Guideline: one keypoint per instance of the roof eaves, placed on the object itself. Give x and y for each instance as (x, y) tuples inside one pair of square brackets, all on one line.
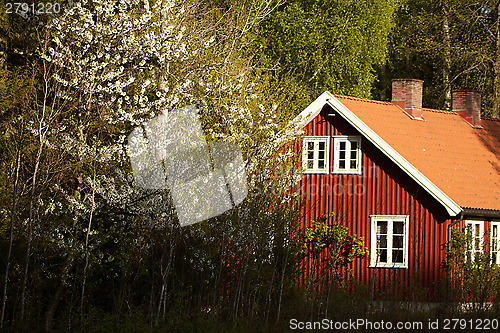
[(480, 212), (327, 98)]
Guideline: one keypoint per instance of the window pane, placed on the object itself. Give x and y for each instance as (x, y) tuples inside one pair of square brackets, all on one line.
[(353, 164), (469, 240), (321, 155), (397, 256), (342, 164), (382, 241), (382, 255), (354, 145), (397, 228), (353, 155), (321, 164), (397, 242), (342, 155), (389, 247), (342, 145), (310, 146), (474, 240), (321, 145), (310, 164), (310, 155), (477, 230), (495, 242), (382, 227)]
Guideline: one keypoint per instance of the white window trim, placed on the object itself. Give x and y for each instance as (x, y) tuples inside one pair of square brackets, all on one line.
[(481, 233), (497, 224), (346, 138), (373, 240), (316, 139)]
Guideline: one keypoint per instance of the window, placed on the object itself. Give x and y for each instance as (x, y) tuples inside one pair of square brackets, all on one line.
[(389, 241), (347, 155), (495, 242), (474, 232), (315, 154)]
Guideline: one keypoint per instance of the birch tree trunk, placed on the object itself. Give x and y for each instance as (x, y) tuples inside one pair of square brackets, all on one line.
[(496, 66), (11, 233), (446, 59), (30, 221), (42, 120), (49, 314), (3, 40)]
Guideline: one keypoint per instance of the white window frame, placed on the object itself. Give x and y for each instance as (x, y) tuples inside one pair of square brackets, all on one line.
[(497, 240), (316, 140), (336, 154), (374, 260), (472, 224)]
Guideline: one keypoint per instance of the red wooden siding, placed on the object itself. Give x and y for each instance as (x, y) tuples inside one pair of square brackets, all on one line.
[(381, 189)]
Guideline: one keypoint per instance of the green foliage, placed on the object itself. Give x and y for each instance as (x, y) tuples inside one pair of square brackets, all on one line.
[(461, 56), (327, 45), (331, 248), (344, 248), (474, 280)]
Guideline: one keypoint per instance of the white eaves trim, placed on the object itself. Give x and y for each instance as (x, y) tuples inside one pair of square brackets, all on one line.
[(315, 108)]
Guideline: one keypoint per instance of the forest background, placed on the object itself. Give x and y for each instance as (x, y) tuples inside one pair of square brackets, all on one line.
[(83, 248)]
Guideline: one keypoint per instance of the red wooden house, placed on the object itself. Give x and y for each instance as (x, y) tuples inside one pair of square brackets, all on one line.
[(401, 176)]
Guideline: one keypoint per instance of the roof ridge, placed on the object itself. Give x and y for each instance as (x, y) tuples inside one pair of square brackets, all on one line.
[(389, 103), (438, 111), (362, 99), (453, 112), (491, 119)]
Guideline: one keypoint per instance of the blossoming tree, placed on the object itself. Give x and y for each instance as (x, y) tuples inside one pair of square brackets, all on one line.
[(110, 66)]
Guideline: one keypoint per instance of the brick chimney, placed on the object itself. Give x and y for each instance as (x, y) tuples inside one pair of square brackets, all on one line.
[(467, 103), (407, 94)]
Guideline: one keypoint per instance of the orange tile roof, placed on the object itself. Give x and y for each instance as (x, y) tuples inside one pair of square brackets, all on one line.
[(462, 161)]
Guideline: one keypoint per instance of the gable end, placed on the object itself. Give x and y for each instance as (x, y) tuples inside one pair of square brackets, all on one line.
[(315, 108)]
